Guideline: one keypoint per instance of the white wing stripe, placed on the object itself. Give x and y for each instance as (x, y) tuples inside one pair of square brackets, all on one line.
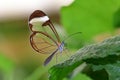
[(39, 19)]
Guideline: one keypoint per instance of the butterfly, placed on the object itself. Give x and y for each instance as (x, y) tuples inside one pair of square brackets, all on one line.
[(44, 38)]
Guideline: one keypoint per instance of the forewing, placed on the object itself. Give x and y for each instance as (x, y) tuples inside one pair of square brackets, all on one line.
[(42, 43), (45, 29), (39, 21)]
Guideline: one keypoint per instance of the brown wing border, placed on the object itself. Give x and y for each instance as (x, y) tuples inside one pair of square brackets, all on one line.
[(39, 13), (34, 45)]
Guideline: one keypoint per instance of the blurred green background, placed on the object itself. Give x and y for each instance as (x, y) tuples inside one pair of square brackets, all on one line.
[(96, 20)]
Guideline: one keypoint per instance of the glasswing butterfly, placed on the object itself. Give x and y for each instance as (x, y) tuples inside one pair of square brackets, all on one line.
[(44, 38)]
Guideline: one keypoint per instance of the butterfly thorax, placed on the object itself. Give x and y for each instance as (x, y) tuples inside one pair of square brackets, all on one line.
[(61, 46)]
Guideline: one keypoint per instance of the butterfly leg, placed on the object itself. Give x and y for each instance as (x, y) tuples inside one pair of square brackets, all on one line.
[(66, 51), (56, 58)]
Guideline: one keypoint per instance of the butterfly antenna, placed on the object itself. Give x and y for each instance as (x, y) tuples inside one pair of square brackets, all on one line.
[(71, 35)]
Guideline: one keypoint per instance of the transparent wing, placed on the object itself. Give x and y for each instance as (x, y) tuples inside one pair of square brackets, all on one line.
[(39, 21), (44, 38), (72, 41), (48, 29), (43, 43)]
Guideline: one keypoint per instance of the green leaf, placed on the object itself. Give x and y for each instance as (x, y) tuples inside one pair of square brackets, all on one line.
[(81, 77), (91, 17), (38, 73), (117, 18), (113, 71), (60, 71), (104, 53), (6, 65)]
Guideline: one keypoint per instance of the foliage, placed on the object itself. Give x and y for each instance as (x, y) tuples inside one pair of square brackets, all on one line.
[(90, 17), (104, 55), (6, 66)]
